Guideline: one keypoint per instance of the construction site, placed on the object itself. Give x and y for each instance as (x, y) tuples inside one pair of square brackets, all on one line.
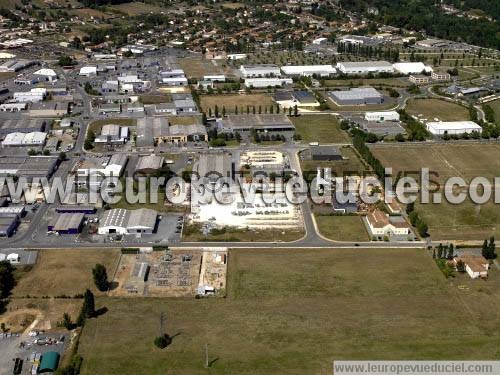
[(171, 273)]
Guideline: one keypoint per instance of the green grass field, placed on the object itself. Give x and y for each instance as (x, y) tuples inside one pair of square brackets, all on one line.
[(467, 220), (342, 228), (436, 108), (294, 311), (193, 232), (320, 128), (495, 105)]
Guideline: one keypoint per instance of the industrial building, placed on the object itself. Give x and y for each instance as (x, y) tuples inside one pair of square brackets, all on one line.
[(67, 223), (262, 122), (357, 96), (382, 116), (381, 128), (149, 164), (122, 221), (28, 166), (365, 67), (214, 166), (49, 109), (452, 127), (46, 74), (8, 225), (290, 99), (34, 95), (155, 130), (262, 70), (411, 68), (267, 82), (185, 104), (114, 134), (12, 66), (440, 76), (308, 70), (24, 139)]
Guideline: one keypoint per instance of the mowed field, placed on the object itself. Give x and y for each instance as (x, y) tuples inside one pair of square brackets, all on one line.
[(320, 128), (437, 108), (495, 105), (230, 101), (467, 221), (294, 311), (342, 228), (67, 272)]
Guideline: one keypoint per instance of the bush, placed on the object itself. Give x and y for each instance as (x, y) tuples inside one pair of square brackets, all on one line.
[(162, 341)]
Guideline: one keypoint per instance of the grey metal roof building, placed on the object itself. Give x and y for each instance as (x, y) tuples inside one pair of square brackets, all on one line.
[(22, 125), (357, 96), (149, 163), (31, 166), (67, 223), (8, 225), (214, 166), (263, 122), (122, 221)]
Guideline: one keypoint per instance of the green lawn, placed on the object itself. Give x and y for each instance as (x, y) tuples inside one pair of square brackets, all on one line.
[(437, 108), (320, 128), (342, 228), (291, 311)]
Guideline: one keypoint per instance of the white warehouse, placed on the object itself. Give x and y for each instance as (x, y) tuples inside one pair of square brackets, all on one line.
[(267, 82), (262, 70), (411, 68), (365, 67), (382, 116), (452, 127), (308, 70)]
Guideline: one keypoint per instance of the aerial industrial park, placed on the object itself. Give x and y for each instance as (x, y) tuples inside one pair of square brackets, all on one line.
[(241, 187)]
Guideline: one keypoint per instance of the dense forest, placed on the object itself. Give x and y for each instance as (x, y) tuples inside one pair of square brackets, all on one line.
[(424, 15)]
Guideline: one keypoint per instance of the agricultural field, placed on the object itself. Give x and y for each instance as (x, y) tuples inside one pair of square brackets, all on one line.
[(437, 108), (230, 101), (350, 165), (342, 228), (294, 311), (64, 272), (320, 128), (466, 221)]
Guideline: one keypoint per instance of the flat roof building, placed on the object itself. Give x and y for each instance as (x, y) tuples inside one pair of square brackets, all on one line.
[(411, 68), (267, 82), (453, 127), (365, 67), (357, 96), (67, 223), (262, 70), (262, 122), (214, 166), (308, 70), (122, 221)]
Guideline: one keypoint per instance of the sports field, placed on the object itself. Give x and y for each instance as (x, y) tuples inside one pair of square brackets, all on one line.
[(294, 311), (320, 128), (467, 221), (437, 108)]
